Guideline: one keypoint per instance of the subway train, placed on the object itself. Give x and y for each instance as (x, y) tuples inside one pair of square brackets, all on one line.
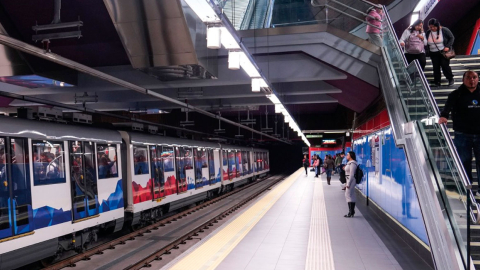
[(61, 184)]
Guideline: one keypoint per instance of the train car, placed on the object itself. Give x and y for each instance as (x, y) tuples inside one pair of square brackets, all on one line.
[(58, 185), (164, 174), (61, 184)]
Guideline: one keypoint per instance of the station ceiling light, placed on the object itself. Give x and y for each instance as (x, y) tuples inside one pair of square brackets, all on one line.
[(221, 33)]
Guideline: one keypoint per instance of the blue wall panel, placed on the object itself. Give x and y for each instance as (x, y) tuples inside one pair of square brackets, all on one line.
[(389, 182)]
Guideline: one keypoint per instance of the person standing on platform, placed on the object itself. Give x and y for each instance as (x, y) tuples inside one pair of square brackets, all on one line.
[(414, 41), (329, 166), (305, 163), (350, 170), (338, 162), (463, 103), (316, 164), (319, 165)]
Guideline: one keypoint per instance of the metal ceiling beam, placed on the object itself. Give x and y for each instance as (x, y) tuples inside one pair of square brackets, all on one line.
[(34, 100), (210, 104), (27, 48)]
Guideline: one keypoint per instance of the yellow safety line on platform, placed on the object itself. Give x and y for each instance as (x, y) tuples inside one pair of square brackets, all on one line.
[(214, 250), (319, 251)]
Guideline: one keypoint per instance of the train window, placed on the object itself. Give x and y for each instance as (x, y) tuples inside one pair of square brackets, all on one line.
[(48, 162), (107, 161), (140, 162)]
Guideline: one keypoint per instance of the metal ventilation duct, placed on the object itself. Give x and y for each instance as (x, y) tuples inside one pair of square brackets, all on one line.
[(163, 33)]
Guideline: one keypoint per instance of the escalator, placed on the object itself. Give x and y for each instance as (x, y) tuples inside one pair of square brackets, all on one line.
[(248, 14), (448, 204)]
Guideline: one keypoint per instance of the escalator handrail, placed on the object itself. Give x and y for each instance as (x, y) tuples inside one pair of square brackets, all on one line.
[(268, 19)]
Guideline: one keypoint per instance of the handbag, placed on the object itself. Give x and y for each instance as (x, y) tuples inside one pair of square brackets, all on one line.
[(447, 55)]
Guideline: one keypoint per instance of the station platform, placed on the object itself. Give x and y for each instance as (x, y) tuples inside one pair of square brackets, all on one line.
[(299, 224)]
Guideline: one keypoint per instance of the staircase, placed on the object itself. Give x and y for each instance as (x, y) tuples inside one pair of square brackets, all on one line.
[(459, 65), (236, 10)]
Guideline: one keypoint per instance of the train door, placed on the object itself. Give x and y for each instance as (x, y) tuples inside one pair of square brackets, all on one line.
[(15, 191), (211, 166), (189, 170), (83, 180), (225, 165), (232, 171), (238, 163), (180, 165), (156, 171), (169, 184)]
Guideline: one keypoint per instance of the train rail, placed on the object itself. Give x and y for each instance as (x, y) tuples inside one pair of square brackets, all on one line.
[(174, 244)]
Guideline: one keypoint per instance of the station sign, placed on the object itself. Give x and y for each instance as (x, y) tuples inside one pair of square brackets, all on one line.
[(427, 8), (310, 136), (329, 141)]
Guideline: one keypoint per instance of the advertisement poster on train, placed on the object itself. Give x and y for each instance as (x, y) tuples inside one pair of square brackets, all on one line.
[(225, 165), (231, 165), (238, 163), (189, 171), (180, 162), (217, 166), (170, 185)]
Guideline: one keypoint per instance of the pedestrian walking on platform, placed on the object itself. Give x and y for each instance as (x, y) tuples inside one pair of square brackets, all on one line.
[(464, 105), (350, 170), (305, 163)]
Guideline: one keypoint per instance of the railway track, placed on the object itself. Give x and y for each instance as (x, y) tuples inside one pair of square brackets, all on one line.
[(178, 229)]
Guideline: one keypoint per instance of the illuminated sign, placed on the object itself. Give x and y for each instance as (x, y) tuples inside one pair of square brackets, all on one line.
[(329, 141), (313, 136), (427, 8)]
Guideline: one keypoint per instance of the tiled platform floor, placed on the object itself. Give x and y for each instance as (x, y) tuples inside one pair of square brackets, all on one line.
[(280, 239)]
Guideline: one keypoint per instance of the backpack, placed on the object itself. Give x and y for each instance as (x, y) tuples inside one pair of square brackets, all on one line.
[(413, 44), (358, 175)]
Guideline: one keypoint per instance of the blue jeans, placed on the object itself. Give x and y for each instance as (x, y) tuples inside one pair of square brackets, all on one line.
[(329, 172), (465, 143)]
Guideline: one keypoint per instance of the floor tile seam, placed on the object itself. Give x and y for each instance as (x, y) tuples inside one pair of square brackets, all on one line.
[(254, 210)]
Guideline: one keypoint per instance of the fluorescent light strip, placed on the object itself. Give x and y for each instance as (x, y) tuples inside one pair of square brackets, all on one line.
[(221, 35)]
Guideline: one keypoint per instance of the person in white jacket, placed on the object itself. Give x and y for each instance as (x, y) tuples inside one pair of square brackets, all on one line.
[(351, 182), (414, 41)]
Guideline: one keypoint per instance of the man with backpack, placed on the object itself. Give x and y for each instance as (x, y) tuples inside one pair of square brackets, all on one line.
[(353, 175)]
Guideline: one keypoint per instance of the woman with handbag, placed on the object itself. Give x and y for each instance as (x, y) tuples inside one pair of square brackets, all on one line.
[(440, 41), (414, 41)]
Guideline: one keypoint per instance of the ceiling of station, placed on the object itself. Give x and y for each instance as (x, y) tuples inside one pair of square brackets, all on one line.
[(320, 93)]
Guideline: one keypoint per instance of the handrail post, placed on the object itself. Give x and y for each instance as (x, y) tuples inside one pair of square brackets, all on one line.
[(467, 262)]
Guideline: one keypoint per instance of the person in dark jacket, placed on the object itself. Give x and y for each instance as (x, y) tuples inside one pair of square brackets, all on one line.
[(463, 103), (440, 39), (305, 163), (329, 166)]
